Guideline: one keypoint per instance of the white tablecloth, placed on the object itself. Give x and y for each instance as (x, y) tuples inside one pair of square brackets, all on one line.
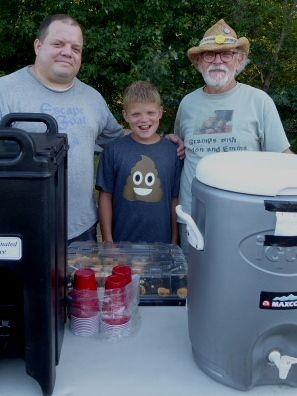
[(156, 361)]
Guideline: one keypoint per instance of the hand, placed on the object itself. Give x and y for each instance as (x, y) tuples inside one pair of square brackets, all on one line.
[(177, 140)]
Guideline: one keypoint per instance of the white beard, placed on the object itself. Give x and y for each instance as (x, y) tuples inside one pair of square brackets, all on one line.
[(221, 79)]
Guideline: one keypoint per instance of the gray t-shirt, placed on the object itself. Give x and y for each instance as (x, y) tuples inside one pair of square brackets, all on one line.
[(244, 118), (81, 113)]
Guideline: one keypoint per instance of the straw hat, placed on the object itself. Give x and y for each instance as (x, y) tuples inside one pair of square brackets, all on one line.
[(220, 37)]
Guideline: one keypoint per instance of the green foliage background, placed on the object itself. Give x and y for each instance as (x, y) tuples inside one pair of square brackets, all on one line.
[(127, 40)]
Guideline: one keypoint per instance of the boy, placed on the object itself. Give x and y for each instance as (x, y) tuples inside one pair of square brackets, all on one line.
[(139, 174)]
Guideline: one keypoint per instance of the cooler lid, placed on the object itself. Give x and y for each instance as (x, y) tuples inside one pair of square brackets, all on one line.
[(250, 172)]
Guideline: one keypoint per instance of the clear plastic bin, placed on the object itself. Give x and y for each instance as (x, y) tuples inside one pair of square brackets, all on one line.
[(162, 267)]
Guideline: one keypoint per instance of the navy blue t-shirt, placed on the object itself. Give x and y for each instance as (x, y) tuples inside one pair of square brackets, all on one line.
[(143, 180)]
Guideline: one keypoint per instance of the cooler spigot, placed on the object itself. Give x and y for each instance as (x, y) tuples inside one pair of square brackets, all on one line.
[(282, 362)]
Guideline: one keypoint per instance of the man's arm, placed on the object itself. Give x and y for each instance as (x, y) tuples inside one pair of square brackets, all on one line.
[(174, 225), (105, 215), (180, 144)]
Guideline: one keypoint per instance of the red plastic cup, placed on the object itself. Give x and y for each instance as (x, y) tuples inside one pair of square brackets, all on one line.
[(115, 300), (83, 298), (85, 279), (124, 270), (115, 281)]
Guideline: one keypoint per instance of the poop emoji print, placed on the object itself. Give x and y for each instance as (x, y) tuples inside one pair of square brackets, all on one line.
[(143, 183)]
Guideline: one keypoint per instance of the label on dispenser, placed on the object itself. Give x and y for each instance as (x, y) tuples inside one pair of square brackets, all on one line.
[(278, 300), (10, 248)]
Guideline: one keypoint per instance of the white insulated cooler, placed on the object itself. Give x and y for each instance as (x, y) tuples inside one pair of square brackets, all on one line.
[(242, 268)]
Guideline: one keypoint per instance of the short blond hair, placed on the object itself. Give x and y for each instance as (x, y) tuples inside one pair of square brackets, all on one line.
[(141, 92)]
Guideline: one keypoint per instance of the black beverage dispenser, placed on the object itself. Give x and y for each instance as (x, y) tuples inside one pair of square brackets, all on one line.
[(33, 244)]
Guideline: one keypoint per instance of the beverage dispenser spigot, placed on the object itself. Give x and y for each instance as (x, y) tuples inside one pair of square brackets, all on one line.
[(282, 362)]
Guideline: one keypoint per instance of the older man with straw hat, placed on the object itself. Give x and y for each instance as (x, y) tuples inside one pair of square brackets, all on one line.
[(223, 115)]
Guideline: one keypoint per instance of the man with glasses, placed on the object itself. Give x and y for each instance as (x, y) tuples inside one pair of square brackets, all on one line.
[(224, 115)]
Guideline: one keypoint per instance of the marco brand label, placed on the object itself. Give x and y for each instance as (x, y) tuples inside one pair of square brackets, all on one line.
[(278, 300)]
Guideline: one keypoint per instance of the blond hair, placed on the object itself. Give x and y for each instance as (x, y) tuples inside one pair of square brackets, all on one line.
[(141, 92)]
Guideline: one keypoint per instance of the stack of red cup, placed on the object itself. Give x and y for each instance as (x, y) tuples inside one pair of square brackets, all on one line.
[(116, 308), (84, 303)]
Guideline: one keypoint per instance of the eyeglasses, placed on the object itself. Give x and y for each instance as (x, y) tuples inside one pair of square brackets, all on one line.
[(226, 56)]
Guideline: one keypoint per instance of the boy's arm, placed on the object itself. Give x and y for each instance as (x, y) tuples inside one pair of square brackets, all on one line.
[(174, 225), (105, 215)]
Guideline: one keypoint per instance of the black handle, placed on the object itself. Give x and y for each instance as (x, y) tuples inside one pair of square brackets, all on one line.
[(48, 120), (25, 143)]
